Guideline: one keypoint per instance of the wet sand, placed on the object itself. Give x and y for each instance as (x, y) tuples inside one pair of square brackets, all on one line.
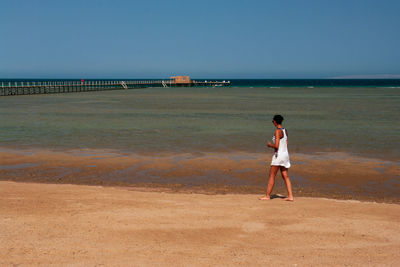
[(52, 224), (333, 175)]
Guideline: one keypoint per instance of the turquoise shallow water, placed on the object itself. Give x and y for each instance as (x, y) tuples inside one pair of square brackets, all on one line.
[(362, 121)]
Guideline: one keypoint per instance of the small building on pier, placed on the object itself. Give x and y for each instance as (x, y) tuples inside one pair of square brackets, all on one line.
[(181, 79)]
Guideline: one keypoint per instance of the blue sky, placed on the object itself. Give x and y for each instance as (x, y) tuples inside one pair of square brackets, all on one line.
[(203, 39)]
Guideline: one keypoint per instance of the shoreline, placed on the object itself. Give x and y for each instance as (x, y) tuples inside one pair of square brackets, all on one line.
[(47, 224), (332, 175), (200, 191)]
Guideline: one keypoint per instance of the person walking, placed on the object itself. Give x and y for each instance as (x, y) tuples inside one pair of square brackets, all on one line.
[(280, 159)]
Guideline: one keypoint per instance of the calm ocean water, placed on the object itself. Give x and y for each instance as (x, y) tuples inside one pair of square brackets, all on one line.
[(355, 116)]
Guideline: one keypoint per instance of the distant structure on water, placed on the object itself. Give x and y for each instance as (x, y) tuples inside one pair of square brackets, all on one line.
[(186, 81), (61, 86), (181, 79)]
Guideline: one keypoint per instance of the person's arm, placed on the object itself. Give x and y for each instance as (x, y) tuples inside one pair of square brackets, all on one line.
[(277, 139), (287, 138)]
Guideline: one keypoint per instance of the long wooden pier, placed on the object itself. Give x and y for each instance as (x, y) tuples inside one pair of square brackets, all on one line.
[(49, 87)]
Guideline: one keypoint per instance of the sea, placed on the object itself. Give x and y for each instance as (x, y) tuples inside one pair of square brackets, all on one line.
[(344, 137)]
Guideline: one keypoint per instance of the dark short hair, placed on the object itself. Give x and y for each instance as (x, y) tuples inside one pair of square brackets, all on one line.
[(278, 119)]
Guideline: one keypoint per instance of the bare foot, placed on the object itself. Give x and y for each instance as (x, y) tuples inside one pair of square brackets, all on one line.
[(264, 198), (289, 199)]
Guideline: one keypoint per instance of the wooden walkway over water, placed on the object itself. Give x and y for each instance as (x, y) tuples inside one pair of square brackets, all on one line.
[(49, 87)]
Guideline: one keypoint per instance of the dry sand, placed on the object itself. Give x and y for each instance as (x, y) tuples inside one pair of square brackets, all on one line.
[(53, 224)]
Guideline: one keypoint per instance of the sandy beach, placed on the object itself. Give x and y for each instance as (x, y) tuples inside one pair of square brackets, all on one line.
[(55, 224), (146, 133)]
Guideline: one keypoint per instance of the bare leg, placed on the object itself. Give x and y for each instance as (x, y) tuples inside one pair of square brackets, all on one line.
[(271, 182), (285, 176)]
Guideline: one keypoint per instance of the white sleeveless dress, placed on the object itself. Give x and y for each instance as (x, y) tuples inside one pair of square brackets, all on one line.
[(281, 156)]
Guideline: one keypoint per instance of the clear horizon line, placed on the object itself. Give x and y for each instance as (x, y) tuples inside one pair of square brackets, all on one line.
[(373, 76)]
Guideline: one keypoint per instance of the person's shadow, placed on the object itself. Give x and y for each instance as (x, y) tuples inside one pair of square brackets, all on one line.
[(277, 196)]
